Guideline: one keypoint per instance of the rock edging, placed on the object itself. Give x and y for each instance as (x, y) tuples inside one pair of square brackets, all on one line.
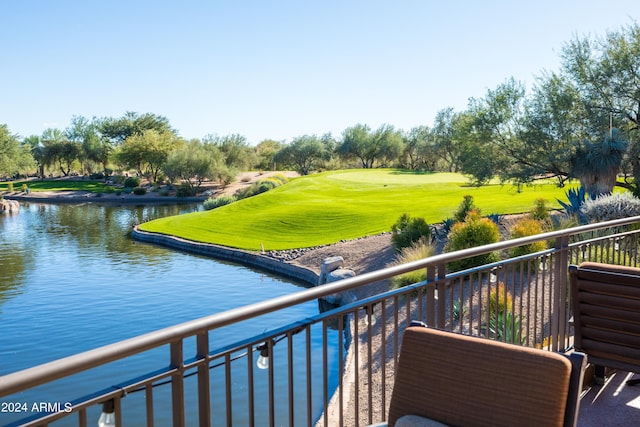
[(297, 273)]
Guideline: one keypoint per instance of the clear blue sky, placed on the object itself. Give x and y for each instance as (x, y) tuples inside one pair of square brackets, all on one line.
[(276, 69)]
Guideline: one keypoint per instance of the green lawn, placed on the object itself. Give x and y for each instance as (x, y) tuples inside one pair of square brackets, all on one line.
[(332, 206), (58, 185)]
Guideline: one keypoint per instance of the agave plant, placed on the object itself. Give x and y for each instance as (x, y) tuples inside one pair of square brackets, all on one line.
[(576, 199)]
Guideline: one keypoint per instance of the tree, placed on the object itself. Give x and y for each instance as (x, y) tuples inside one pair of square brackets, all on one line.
[(265, 152), (596, 164), (94, 149), (446, 144), (59, 151), (147, 152), (606, 74), (192, 163), (116, 131), (384, 145), (36, 148), (238, 154), (553, 123), (303, 153), (14, 157)]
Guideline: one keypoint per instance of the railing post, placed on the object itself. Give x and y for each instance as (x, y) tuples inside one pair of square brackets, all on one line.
[(204, 394), (431, 296), (177, 384), (442, 285), (560, 272)]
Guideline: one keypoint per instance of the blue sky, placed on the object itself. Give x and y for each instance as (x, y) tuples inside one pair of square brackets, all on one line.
[(276, 69)]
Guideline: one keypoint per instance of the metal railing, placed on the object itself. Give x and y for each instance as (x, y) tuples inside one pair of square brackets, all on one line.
[(335, 368)]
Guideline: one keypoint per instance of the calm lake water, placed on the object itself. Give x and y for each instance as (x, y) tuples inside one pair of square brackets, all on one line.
[(71, 279)]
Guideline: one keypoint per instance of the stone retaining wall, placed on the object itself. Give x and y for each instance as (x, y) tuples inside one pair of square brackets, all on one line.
[(299, 274)]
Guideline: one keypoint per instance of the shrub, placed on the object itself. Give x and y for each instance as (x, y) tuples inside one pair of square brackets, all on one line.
[(540, 211), (524, 228), (500, 299), (185, 191), (474, 231), (279, 177), (611, 206), (408, 230), (212, 203), (418, 250), (139, 191), (131, 182), (464, 208), (266, 185)]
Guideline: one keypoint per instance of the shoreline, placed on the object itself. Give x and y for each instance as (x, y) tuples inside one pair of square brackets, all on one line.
[(63, 197)]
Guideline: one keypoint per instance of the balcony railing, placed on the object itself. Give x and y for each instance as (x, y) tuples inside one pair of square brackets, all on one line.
[(335, 368)]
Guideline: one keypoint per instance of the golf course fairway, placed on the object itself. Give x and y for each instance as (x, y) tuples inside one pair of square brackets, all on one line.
[(327, 207)]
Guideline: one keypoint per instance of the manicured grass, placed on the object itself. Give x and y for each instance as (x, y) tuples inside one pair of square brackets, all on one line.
[(59, 185), (340, 205)]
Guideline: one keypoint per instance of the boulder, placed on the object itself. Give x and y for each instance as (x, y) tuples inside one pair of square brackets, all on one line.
[(332, 270), (9, 206)]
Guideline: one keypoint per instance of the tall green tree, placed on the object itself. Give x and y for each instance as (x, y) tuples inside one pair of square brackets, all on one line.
[(59, 151), (95, 150), (445, 140), (15, 158), (117, 130), (238, 154), (192, 164), (606, 73), (490, 133), (265, 153), (37, 152), (147, 152), (418, 151), (304, 153), (383, 145)]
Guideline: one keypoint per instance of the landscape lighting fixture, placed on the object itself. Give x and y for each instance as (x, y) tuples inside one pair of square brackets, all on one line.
[(108, 416), (263, 359)]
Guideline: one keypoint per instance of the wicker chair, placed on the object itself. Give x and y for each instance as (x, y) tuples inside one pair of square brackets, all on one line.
[(449, 379)]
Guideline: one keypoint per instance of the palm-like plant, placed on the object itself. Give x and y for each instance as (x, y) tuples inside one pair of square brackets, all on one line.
[(596, 164)]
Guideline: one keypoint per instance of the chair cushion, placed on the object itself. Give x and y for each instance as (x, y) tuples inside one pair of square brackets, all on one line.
[(416, 421)]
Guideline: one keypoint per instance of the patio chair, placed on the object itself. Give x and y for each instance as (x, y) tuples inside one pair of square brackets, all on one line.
[(449, 379), (606, 315)]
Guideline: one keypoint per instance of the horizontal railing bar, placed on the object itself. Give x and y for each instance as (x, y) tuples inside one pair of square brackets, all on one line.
[(117, 390), (31, 377)]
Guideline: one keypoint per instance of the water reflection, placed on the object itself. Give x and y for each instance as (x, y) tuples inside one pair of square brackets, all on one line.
[(71, 279)]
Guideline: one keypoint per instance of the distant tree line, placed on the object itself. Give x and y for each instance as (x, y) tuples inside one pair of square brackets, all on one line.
[(580, 122)]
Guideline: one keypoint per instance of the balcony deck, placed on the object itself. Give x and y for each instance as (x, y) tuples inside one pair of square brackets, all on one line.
[(349, 385), (612, 404)]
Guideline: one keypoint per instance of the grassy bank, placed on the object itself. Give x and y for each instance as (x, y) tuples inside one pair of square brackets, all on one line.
[(340, 205), (58, 185)]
